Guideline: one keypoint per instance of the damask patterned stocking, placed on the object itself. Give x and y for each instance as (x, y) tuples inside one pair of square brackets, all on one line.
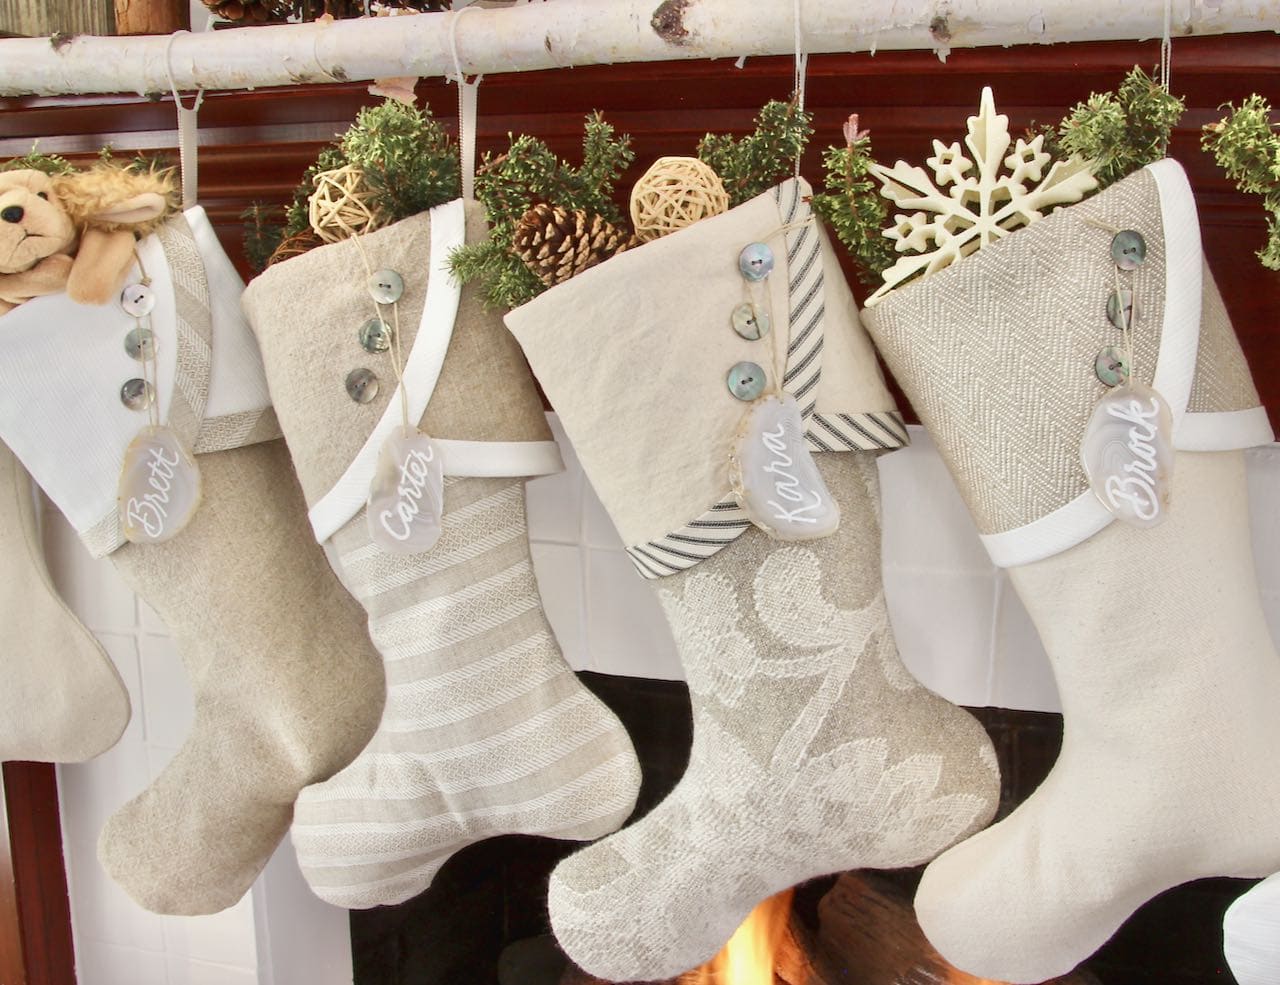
[(814, 749)]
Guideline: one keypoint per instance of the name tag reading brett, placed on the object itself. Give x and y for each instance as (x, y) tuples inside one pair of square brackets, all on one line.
[(775, 477), (406, 497), (159, 488), (1127, 454)]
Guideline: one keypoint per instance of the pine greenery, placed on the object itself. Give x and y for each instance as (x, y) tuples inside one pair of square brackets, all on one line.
[(529, 173), (409, 164), (755, 163), (853, 207), (1246, 145), (263, 232), (35, 160), (1122, 131)]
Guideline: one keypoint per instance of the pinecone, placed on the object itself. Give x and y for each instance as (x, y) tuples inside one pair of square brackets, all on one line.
[(557, 244), (251, 11)]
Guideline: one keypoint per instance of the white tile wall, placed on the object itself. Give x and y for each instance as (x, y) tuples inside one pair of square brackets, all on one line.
[(960, 628)]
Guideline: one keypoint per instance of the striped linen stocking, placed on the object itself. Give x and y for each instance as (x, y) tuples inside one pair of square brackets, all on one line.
[(486, 730)]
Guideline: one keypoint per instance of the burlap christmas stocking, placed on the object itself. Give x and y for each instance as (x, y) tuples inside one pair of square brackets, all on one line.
[(287, 687), (1170, 683), (486, 729), (814, 749), (61, 700)]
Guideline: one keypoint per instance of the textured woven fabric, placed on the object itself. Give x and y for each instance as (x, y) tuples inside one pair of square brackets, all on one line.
[(1223, 381), (633, 354), (61, 700), (814, 751), (287, 686), (307, 313), (1170, 686), (996, 352), (486, 729)]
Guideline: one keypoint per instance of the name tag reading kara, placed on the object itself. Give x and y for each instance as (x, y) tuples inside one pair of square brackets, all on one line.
[(406, 498), (159, 488), (1128, 454), (775, 477)]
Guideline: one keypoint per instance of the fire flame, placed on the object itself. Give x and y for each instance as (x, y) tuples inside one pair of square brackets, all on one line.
[(750, 956)]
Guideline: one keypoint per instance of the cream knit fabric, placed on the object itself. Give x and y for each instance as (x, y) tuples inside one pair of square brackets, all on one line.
[(1170, 688), (287, 686), (814, 751), (486, 730), (61, 699)]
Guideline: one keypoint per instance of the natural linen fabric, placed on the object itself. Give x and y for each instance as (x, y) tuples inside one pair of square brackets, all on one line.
[(61, 700), (814, 751), (287, 686), (1170, 687), (997, 351), (634, 352), (486, 730)]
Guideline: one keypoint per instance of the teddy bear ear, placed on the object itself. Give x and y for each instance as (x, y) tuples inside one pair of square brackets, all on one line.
[(134, 211)]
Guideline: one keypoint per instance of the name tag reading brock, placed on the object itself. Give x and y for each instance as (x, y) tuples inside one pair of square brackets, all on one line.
[(1127, 454), (159, 488), (775, 477), (406, 497)]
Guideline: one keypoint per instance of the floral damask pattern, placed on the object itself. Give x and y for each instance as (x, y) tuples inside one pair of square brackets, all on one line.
[(663, 895)]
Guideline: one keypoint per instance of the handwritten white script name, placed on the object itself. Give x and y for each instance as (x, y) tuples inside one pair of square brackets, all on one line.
[(1136, 486), (151, 511), (786, 484), (398, 523)]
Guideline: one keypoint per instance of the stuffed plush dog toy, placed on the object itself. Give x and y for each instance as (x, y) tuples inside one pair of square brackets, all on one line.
[(75, 232)]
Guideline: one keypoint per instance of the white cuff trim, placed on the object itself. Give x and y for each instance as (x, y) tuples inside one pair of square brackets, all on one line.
[(1224, 430), (421, 372), (499, 458), (1052, 534)]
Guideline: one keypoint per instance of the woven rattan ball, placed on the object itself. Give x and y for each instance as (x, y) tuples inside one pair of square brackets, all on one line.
[(339, 209), (675, 192)]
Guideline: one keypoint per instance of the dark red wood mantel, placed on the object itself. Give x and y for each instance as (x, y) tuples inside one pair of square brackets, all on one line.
[(255, 145)]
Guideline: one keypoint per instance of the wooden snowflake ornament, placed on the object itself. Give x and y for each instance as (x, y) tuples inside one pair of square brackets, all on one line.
[(986, 196)]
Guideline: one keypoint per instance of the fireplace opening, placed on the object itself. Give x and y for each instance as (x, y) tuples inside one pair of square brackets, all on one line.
[(484, 919)]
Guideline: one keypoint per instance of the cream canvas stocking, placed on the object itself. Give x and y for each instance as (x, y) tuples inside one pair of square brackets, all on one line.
[(61, 700), (1170, 683), (287, 687), (486, 730), (814, 749)]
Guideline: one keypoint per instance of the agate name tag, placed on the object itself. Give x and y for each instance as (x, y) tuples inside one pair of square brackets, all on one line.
[(1127, 454), (775, 477), (159, 489), (406, 498)]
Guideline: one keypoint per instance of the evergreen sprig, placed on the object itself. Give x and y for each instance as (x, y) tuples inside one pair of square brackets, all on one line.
[(528, 173), (852, 205), (756, 162), (263, 232), (35, 160), (1122, 131), (1246, 145), (408, 161)]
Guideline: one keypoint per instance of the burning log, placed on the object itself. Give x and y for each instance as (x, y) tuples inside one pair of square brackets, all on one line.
[(868, 935)]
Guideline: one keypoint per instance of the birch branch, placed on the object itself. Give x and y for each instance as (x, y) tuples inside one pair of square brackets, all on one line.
[(561, 33)]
